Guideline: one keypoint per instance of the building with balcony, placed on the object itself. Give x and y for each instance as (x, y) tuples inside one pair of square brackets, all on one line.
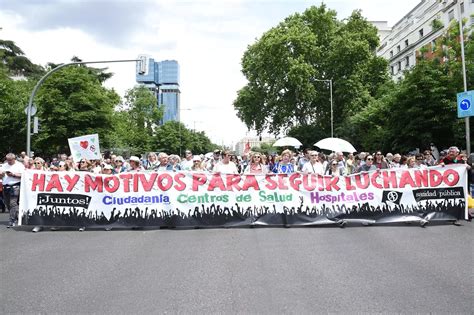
[(419, 28)]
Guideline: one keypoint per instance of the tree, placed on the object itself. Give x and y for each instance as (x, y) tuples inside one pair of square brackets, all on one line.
[(173, 137), (284, 68), (72, 102), (12, 57), (421, 108), (136, 120), (13, 99)]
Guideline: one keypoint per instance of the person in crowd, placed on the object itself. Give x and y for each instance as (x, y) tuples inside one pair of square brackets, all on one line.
[(244, 162), (11, 172), (84, 165), (271, 161), (236, 161), (151, 163), (197, 165), (119, 165), (379, 161), (357, 163), (334, 169), (188, 161), (96, 166), (164, 165), (212, 162), (314, 166), (451, 157), (303, 159), (284, 165), (350, 161), (362, 156), (420, 161), (404, 161), (107, 169), (29, 163), (434, 152), (175, 160), (411, 162), (39, 164), (135, 164), (324, 160), (70, 165), (226, 166), (429, 159), (395, 163), (341, 162), (62, 166), (256, 166), (389, 159), (368, 165)]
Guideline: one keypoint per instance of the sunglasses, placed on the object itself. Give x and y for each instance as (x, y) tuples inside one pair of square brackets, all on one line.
[(370, 159), (38, 163), (83, 161)]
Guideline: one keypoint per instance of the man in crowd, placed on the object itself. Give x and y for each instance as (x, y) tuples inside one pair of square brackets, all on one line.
[(187, 162), (11, 172), (216, 157)]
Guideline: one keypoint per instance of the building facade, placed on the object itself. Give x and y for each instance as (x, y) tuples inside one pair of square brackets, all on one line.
[(420, 27), (162, 78), (251, 142)]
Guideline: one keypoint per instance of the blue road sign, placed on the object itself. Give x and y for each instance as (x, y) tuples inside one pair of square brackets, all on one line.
[(465, 104)]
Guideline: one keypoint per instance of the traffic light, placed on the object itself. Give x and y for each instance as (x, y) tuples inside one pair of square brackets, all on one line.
[(142, 65)]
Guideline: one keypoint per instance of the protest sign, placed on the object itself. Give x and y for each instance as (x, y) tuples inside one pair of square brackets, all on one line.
[(85, 147)]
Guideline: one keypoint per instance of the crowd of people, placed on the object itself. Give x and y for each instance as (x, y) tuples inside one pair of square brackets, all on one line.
[(306, 161)]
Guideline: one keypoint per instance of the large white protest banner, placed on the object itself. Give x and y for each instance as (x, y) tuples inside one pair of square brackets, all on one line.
[(85, 147), (203, 199)]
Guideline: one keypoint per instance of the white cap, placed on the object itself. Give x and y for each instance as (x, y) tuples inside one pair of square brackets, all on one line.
[(134, 158)]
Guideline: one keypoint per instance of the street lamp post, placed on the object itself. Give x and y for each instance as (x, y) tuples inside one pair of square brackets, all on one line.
[(37, 86), (332, 113), (466, 119)]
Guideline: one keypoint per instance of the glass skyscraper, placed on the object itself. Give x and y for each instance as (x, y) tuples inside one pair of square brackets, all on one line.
[(163, 79)]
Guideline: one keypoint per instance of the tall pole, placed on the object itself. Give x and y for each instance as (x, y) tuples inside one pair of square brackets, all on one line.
[(466, 119), (332, 113), (37, 86)]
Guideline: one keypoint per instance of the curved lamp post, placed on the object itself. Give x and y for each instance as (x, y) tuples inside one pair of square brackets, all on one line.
[(37, 86)]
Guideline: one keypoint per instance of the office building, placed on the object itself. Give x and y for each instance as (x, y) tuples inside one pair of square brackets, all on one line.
[(419, 28), (162, 78)]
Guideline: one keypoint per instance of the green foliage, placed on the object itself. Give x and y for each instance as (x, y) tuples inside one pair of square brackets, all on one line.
[(13, 100), (174, 138), (436, 24), (136, 120), (72, 102), (285, 67), (13, 59)]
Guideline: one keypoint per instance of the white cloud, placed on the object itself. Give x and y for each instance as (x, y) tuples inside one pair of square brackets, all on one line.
[(207, 38)]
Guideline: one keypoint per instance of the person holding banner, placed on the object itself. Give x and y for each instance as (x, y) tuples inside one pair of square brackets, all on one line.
[(284, 165), (368, 165), (135, 164), (119, 165), (11, 172), (313, 166), (226, 166), (256, 166)]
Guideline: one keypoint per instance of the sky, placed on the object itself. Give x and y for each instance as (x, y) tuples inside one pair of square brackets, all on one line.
[(207, 38)]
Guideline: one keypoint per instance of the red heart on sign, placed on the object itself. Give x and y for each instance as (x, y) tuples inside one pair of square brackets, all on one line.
[(84, 144)]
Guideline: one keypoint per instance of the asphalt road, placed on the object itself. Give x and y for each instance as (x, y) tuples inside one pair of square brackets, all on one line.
[(404, 269)]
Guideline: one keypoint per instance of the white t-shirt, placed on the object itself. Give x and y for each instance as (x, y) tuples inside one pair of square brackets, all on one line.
[(316, 168), (229, 168), (186, 165), (17, 167)]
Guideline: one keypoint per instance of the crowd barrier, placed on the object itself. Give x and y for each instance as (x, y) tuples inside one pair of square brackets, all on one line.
[(185, 199)]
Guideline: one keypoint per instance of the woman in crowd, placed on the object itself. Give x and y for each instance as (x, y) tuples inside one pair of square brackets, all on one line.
[(368, 165), (379, 161), (152, 161), (255, 165), (284, 165), (119, 165), (84, 165), (197, 164), (96, 167), (135, 164), (313, 166), (175, 160), (39, 164), (236, 161), (350, 164), (107, 169), (411, 162), (334, 169)]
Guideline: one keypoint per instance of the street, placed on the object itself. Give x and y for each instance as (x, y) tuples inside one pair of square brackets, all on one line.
[(400, 269)]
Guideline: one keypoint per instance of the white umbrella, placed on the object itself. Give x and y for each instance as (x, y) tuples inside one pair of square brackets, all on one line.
[(335, 144), (287, 142)]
